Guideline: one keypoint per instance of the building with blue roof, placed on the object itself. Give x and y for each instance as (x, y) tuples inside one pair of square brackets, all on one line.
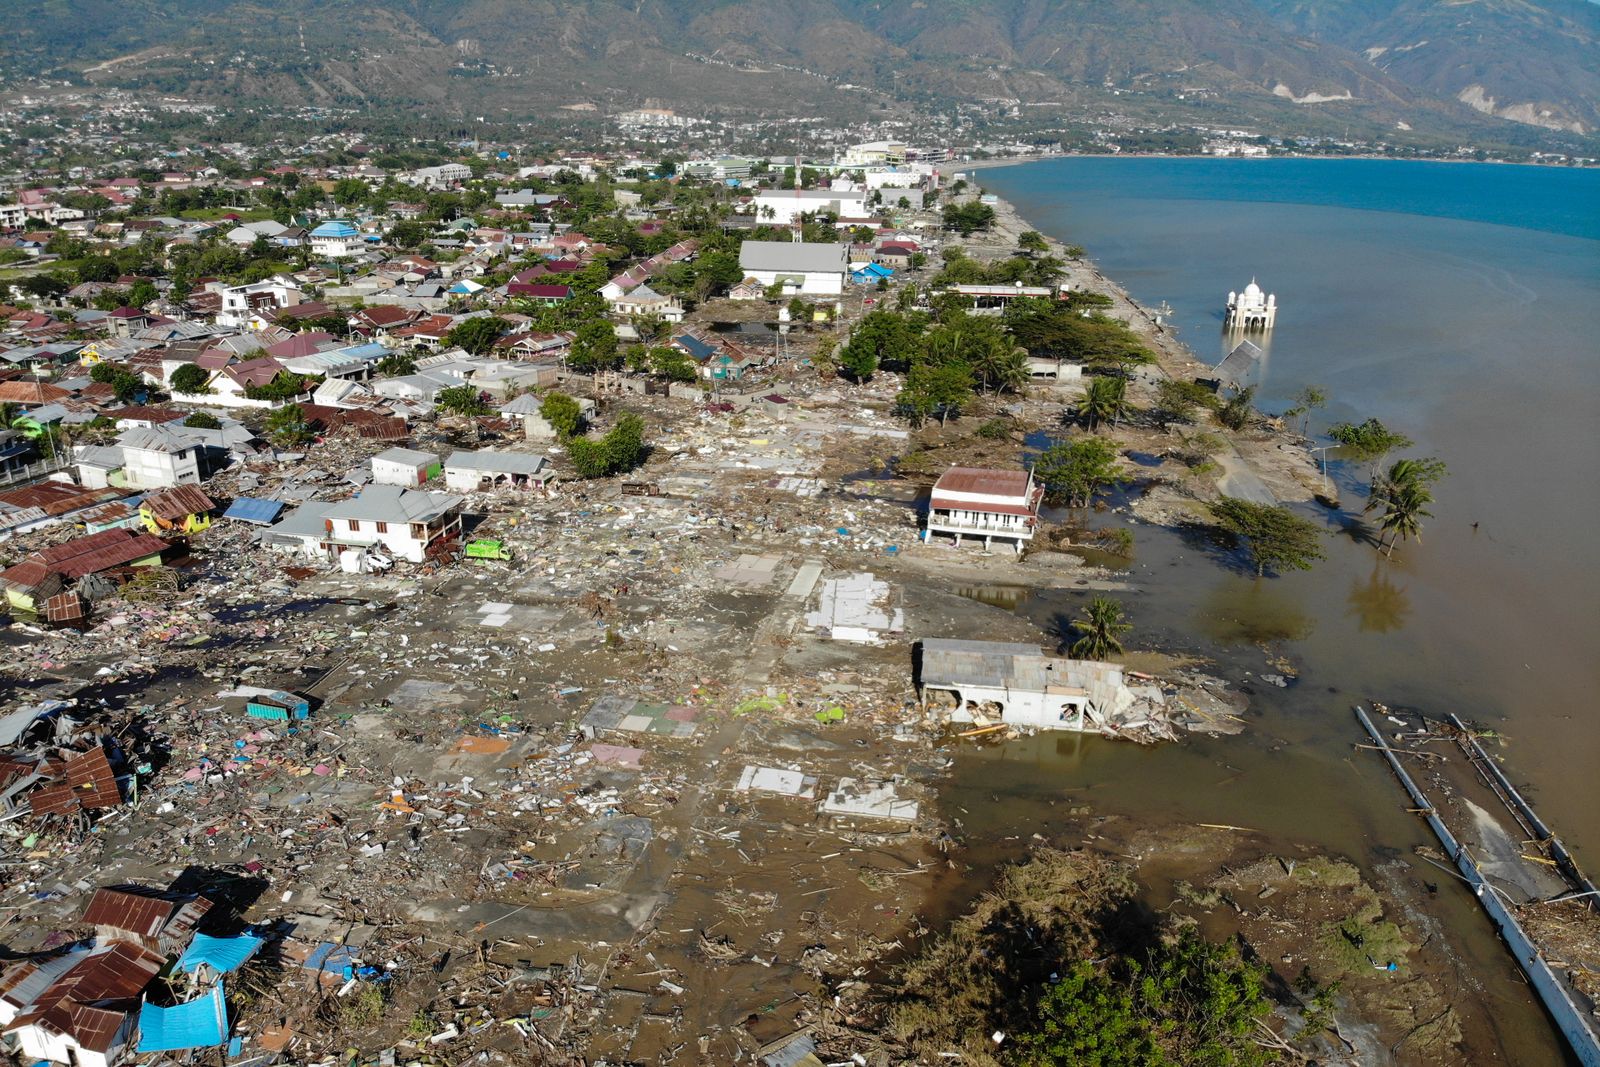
[(252, 510), (336, 239)]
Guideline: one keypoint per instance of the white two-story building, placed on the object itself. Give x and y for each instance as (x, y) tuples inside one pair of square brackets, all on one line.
[(988, 504)]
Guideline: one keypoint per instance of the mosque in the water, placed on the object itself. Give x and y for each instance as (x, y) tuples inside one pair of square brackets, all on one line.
[(1251, 309)]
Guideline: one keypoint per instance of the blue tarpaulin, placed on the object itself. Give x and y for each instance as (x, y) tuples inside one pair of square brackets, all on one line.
[(200, 1023), (249, 509), (222, 954), (330, 957)]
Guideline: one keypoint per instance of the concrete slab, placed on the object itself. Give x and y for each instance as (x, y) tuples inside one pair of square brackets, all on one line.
[(777, 780), (805, 580), (870, 800)]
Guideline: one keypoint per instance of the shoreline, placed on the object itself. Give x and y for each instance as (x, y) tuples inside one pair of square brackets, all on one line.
[(1265, 461), (1017, 161)]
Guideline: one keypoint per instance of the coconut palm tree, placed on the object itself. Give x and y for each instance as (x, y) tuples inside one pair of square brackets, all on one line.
[(1403, 493), (1102, 628), (1102, 401), (1404, 509)]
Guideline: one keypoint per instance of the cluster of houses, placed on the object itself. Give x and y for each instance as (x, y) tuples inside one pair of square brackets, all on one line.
[(147, 979)]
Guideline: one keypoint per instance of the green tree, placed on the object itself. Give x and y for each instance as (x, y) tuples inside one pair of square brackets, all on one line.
[(203, 420), (287, 426), (124, 383), (1369, 441), (397, 364), (407, 233), (1403, 494), (1101, 627), (478, 334), (1074, 471), (1031, 242), (1235, 411), (1177, 400), (142, 293), (594, 348), (562, 413), (1312, 397), (285, 385), (1103, 401), (621, 450), (673, 364), (1187, 1003), (461, 400), (350, 191), (191, 379), (968, 218), (1276, 538)]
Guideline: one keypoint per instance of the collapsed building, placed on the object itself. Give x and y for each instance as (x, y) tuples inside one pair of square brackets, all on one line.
[(992, 682)]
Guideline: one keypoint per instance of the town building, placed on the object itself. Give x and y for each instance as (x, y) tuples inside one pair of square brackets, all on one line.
[(469, 472), (336, 239), (407, 523), (781, 207), (988, 504), (802, 268), (404, 466)]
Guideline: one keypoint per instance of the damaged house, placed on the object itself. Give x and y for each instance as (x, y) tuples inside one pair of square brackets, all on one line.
[(86, 1006), (1018, 685)]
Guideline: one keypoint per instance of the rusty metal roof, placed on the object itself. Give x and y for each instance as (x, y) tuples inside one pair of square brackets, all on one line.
[(983, 480), (179, 502), (93, 780), (57, 498), (119, 971), (95, 552), (141, 912)]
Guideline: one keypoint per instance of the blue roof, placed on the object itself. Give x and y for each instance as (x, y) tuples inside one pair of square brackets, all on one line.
[(335, 228), (200, 1023), (696, 348), (221, 954), (249, 509)]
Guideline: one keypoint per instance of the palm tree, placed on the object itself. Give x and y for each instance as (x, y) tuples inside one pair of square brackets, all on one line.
[(1102, 627), (1405, 506), (1001, 368), (1403, 493), (1102, 400)]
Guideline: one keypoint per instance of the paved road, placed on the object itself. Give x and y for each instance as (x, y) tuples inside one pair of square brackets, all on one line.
[(1239, 480)]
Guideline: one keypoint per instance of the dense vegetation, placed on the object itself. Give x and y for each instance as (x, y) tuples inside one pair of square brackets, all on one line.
[(1062, 963)]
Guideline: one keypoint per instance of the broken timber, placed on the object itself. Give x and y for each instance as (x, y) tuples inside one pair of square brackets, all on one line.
[(1569, 1018)]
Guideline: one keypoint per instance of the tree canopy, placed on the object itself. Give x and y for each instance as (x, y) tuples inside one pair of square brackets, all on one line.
[(1075, 470), (1277, 539)]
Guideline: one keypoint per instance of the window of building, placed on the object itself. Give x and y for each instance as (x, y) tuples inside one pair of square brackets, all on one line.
[(354, 524)]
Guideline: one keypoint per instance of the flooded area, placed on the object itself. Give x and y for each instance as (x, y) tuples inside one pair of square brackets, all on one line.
[(1410, 319)]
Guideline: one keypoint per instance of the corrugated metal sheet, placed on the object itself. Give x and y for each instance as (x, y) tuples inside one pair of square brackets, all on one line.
[(64, 608), (199, 1023), (57, 498), (221, 954), (141, 914), (251, 509), (179, 502)]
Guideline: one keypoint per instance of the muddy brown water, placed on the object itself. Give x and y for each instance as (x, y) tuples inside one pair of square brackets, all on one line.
[(1428, 298)]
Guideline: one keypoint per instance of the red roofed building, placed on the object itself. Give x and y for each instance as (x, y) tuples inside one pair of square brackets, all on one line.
[(537, 293), (978, 502)]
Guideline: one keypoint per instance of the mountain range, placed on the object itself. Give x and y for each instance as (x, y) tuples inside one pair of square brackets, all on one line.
[(1450, 68)]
